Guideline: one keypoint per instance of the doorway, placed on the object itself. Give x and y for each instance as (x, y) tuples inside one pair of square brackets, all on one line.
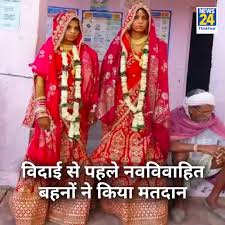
[(200, 55)]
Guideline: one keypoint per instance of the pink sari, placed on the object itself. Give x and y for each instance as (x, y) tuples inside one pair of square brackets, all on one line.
[(26, 204), (119, 142)]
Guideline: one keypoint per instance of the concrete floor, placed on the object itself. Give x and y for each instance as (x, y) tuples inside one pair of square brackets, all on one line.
[(197, 214)]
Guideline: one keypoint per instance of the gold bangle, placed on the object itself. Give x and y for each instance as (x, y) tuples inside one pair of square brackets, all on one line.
[(40, 98)]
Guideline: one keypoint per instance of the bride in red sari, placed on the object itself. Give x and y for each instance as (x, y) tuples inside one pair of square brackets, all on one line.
[(61, 111), (134, 111)]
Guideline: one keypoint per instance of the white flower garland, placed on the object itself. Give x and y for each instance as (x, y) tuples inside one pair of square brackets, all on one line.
[(138, 121), (74, 118)]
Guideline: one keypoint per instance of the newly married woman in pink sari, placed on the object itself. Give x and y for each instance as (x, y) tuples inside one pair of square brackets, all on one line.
[(134, 111), (61, 111)]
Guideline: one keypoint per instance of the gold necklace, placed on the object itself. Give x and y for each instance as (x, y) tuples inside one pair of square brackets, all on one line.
[(62, 48), (66, 47), (139, 41), (138, 58)]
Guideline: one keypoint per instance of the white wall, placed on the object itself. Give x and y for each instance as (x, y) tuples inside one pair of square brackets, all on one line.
[(217, 81), (14, 92), (18, 46), (18, 49)]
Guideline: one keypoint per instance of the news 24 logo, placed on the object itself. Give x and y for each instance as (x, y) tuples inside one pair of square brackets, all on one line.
[(207, 18)]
